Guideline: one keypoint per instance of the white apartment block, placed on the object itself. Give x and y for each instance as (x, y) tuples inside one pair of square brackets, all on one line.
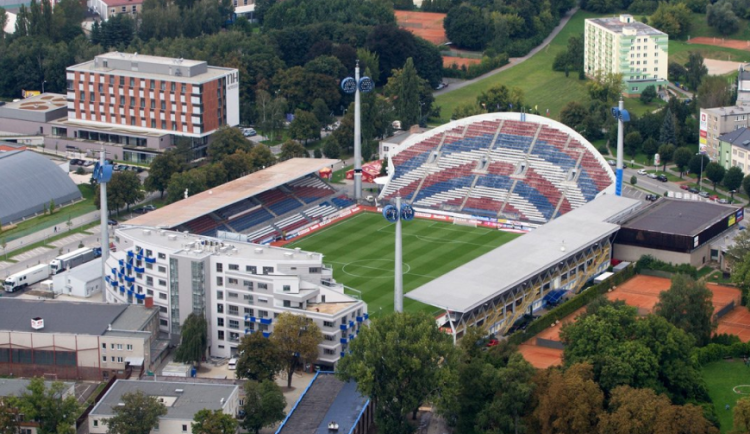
[(240, 287), (622, 45)]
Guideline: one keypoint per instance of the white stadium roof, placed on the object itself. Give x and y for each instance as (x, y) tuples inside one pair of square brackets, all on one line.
[(493, 273)]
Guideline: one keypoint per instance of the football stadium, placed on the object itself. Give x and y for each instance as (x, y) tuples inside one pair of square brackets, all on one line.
[(500, 201)]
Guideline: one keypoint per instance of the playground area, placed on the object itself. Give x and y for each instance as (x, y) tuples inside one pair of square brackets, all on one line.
[(427, 25)]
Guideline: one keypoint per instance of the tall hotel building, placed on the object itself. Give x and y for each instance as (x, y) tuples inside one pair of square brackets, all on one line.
[(143, 103), (628, 47)]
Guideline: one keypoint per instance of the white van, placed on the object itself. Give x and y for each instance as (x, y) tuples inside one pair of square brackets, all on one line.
[(232, 364)]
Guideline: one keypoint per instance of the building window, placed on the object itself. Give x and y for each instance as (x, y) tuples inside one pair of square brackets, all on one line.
[(234, 310), (162, 269), (149, 280), (129, 347), (262, 286), (162, 296), (232, 281), (267, 270), (104, 359), (232, 295), (163, 85), (248, 284), (328, 324), (248, 298), (162, 256), (251, 269), (162, 282), (287, 288), (328, 352), (287, 303), (329, 337), (234, 267), (220, 267), (234, 324), (219, 281), (221, 335), (219, 308), (220, 322), (219, 295), (163, 323), (182, 88), (151, 86), (172, 87)]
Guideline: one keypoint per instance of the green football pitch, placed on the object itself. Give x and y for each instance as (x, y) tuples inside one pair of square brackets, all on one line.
[(360, 251)]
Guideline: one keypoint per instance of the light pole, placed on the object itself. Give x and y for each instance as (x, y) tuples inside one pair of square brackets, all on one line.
[(102, 174), (700, 153), (622, 116), (357, 85), (44, 81), (395, 214)]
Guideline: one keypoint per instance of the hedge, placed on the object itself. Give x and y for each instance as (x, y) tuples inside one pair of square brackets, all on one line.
[(473, 71), (571, 306), (715, 352), (648, 262)]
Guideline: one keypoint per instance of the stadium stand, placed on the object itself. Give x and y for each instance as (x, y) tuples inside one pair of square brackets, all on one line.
[(309, 189), (524, 167)]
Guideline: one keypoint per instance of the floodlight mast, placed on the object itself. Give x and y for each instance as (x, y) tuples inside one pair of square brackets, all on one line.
[(622, 116), (104, 224), (398, 283), (357, 139)]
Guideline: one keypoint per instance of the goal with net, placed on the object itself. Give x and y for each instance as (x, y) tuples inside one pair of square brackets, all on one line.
[(464, 222)]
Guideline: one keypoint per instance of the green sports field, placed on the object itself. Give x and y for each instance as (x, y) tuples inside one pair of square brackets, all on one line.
[(360, 250), (721, 378)]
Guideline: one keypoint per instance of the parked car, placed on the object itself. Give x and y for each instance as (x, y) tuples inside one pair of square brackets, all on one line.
[(75, 162), (722, 201), (692, 190), (88, 163), (662, 178), (714, 198), (442, 86), (652, 175), (249, 132), (642, 172), (703, 194), (112, 222), (612, 162), (652, 197), (493, 343), (684, 186)]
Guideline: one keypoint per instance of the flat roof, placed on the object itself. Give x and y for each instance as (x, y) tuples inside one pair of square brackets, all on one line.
[(326, 400), (40, 103), (216, 198), (17, 386), (62, 317), (329, 308), (211, 72), (614, 24), (728, 110), (507, 266), (679, 217), (87, 271), (193, 398)]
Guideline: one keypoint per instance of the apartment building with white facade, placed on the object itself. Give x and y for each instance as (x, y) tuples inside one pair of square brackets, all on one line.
[(716, 122), (622, 45), (240, 287)]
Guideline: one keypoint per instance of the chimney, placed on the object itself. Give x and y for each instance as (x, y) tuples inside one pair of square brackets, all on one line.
[(37, 323)]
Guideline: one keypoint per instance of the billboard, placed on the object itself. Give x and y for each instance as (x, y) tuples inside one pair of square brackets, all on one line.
[(704, 123), (232, 92)]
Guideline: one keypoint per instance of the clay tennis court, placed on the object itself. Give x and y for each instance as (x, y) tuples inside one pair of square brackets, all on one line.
[(449, 61), (542, 356), (722, 42), (643, 292), (427, 25), (736, 322)]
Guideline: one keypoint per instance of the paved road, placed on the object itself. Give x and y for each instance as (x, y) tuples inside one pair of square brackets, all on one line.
[(679, 91), (514, 60)]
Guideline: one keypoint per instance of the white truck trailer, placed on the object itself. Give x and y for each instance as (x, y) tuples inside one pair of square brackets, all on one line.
[(26, 277), (73, 259)]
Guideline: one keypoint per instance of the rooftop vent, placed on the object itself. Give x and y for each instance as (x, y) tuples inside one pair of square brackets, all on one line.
[(179, 390), (288, 254), (146, 232), (297, 249), (172, 237), (37, 323), (259, 250)]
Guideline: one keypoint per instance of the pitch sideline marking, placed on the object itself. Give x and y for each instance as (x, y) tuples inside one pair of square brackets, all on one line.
[(344, 264), (433, 240), (307, 237)]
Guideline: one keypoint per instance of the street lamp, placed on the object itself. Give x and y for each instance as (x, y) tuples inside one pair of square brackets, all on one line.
[(700, 175)]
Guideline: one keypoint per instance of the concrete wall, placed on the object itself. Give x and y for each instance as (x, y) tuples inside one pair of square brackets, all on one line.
[(697, 258)]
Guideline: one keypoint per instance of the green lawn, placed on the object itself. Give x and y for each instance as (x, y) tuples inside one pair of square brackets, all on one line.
[(360, 251), (720, 378), (699, 27), (60, 216), (678, 52), (542, 87)]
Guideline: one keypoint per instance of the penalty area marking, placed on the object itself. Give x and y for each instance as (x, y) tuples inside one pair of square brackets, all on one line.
[(742, 389)]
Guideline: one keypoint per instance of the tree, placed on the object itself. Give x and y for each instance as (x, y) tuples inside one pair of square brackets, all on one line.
[(194, 340), (192, 182), (3, 21), (666, 153), (745, 184), (331, 148), (741, 415), (124, 189), (259, 358), (399, 361), (733, 179), (633, 180), (573, 114), (322, 113), (672, 19), (506, 411), (139, 414), (292, 149), (695, 70), (297, 339), (715, 173), (648, 94), (467, 27), (226, 141), (642, 410), (650, 147), (605, 86), (682, 157), (721, 16), (632, 143), (687, 305), (160, 172), (51, 206), (305, 126), (264, 405), (404, 88), (698, 164), (500, 98), (8, 408), (667, 132), (465, 110), (568, 402), (262, 156), (213, 422), (47, 407), (715, 91)]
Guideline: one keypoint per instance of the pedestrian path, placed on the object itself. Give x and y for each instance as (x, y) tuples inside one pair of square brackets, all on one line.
[(67, 240)]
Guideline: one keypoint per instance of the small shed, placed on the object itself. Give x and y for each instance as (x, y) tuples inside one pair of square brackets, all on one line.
[(602, 277)]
